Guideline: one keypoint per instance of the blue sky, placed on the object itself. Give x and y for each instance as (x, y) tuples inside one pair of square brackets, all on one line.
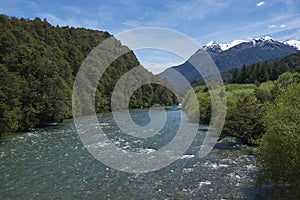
[(202, 20)]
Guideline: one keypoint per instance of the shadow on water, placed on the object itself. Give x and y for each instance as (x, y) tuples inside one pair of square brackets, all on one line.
[(257, 193)]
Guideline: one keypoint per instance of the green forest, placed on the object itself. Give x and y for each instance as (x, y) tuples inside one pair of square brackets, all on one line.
[(265, 71), (38, 65), (263, 110)]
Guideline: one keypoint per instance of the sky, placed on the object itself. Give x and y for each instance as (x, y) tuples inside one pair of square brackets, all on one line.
[(202, 20)]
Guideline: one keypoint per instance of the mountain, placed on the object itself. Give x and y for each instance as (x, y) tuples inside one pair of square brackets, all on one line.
[(213, 45), (229, 45), (213, 48), (234, 54), (257, 50), (294, 43)]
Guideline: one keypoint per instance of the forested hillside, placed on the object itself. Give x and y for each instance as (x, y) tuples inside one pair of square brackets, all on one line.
[(265, 71), (38, 64)]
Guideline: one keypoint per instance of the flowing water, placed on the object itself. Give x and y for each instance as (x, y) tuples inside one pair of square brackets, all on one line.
[(52, 163)]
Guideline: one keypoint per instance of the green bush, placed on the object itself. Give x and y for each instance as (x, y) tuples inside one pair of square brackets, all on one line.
[(279, 148), (244, 111)]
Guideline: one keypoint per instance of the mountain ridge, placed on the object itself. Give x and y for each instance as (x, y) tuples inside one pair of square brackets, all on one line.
[(229, 45), (240, 53)]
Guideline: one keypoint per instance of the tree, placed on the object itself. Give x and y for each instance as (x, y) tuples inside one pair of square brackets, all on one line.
[(236, 76), (9, 101), (279, 149), (243, 120)]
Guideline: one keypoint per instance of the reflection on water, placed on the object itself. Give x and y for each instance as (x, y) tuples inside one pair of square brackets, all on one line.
[(52, 163)]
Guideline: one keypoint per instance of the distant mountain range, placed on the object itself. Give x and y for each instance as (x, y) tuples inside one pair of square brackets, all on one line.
[(234, 54)]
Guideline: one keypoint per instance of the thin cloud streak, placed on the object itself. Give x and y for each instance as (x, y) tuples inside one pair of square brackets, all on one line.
[(259, 4), (253, 30)]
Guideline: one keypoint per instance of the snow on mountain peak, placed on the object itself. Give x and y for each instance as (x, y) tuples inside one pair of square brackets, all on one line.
[(229, 45), (226, 46), (262, 39), (212, 43), (265, 38), (294, 43)]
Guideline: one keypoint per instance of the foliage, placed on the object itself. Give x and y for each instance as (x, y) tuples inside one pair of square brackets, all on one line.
[(202, 106), (38, 65), (243, 120), (244, 111), (279, 149), (264, 71), (9, 100), (245, 106), (259, 72)]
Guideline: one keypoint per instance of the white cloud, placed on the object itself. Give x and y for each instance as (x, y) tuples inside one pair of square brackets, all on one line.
[(276, 26), (260, 3)]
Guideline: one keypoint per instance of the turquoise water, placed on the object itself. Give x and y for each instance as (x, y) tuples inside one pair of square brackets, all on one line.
[(52, 163)]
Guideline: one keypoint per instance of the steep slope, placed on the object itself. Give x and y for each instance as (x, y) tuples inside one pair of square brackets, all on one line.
[(240, 53), (213, 48), (216, 47), (257, 50), (38, 65)]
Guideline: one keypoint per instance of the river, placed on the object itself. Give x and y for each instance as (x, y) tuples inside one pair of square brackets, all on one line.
[(52, 163)]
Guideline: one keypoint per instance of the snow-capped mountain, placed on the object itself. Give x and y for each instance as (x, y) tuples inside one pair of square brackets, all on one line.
[(229, 45), (294, 43), (212, 44), (235, 54), (213, 48), (224, 47), (262, 39)]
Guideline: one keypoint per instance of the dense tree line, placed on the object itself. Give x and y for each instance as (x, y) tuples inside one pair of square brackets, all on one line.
[(259, 72), (38, 64), (262, 72)]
